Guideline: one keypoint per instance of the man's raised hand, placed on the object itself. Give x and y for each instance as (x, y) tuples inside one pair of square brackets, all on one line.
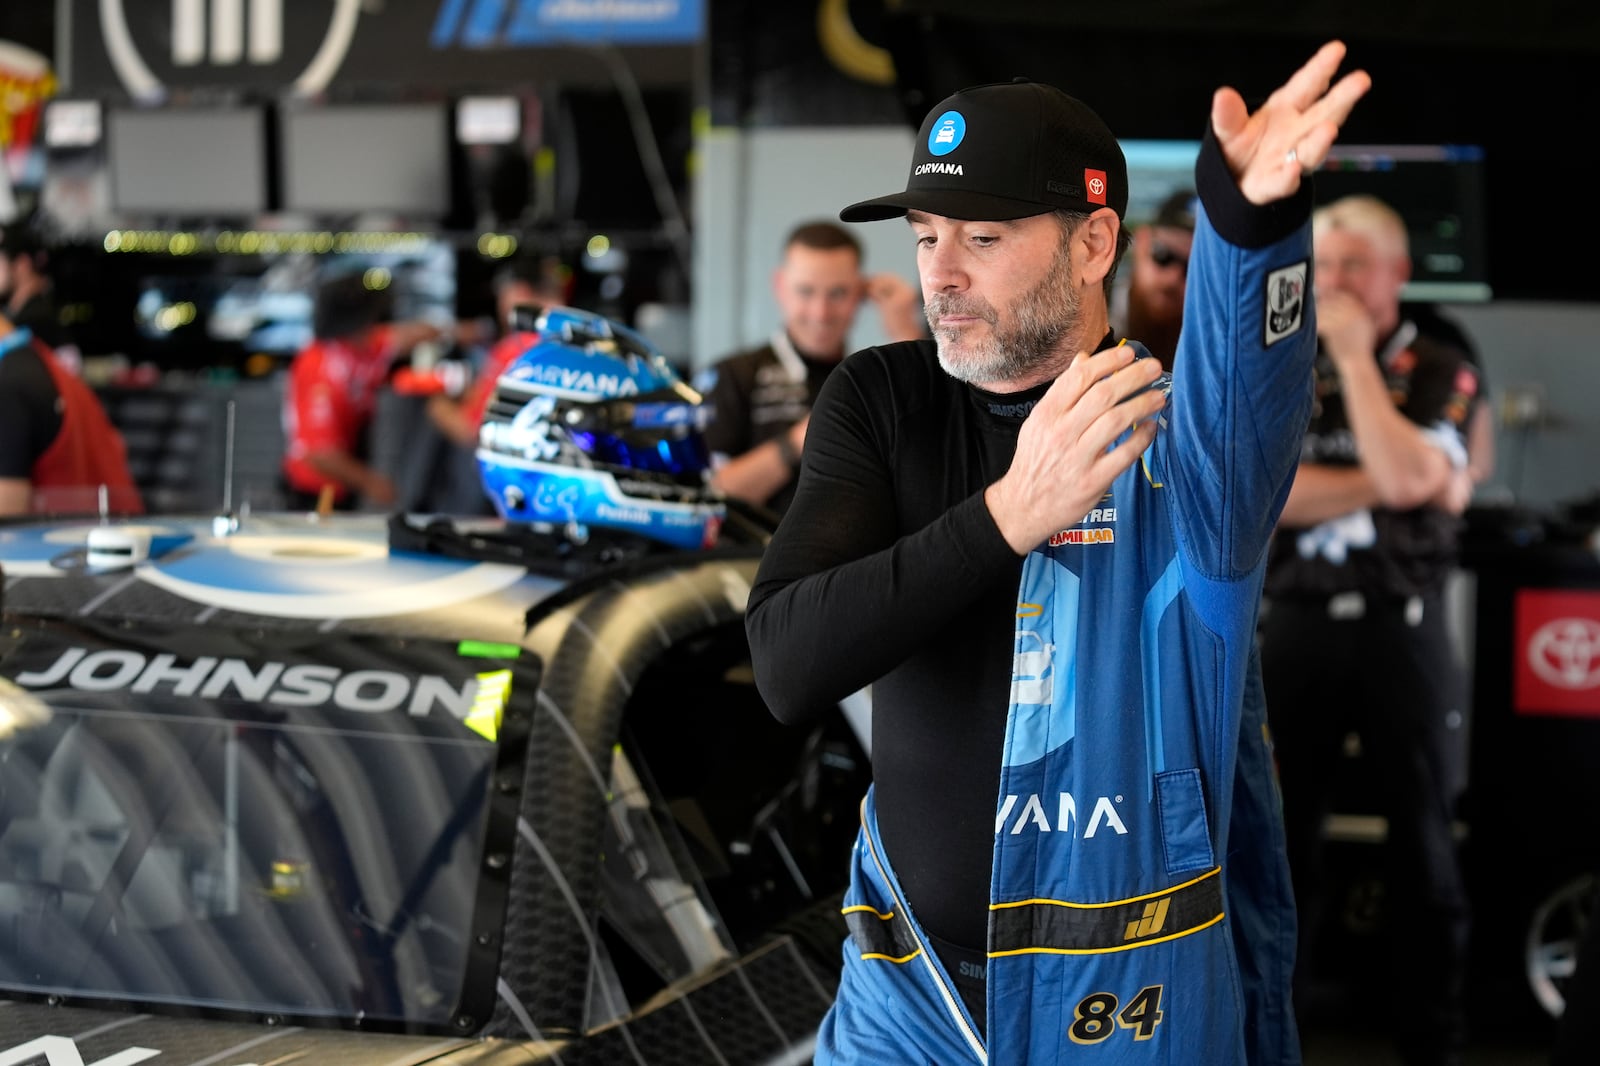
[(1289, 135)]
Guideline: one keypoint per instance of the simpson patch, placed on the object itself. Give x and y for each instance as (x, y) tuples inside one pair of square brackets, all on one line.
[(1285, 301)]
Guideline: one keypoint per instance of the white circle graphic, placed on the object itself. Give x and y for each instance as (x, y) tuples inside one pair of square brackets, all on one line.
[(142, 84)]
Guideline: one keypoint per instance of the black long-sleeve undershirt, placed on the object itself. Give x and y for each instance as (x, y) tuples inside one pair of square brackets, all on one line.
[(889, 570)]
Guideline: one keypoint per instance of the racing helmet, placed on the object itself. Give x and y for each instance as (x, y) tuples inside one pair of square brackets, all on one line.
[(591, 426)]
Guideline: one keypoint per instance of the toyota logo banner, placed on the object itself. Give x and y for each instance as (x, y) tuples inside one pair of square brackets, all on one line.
[(1557, 649)]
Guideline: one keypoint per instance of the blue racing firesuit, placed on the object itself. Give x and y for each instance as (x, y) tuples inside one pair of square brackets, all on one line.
[(1125, 923)]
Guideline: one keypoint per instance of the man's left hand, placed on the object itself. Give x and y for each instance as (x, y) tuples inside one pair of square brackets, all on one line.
[(1289, 135)]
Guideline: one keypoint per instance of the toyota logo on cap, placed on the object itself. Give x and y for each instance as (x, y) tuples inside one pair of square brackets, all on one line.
[(1095, 182)]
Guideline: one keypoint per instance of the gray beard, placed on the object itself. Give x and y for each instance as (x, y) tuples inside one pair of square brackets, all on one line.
[(1039, 320)]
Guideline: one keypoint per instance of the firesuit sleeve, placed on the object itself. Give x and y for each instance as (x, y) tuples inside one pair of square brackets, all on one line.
[(1242, 375)]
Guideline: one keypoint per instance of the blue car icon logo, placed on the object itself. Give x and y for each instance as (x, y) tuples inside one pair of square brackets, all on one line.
[(948, 131)]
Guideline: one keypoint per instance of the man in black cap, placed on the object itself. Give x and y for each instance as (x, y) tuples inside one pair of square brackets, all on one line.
[(1150, 305), (1049, 575)]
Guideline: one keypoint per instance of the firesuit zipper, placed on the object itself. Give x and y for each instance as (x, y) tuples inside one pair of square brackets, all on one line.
[(973, 1040)]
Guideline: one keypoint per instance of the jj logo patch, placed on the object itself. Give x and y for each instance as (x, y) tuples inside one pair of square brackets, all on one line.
[(1285, 301)]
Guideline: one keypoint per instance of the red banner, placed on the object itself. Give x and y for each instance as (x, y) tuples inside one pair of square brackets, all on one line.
[(1557, 653)]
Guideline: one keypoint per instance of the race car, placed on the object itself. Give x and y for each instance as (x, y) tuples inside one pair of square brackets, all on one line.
[(412, 788)]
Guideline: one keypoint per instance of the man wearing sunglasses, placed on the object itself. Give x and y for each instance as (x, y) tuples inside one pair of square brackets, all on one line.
[(1152, 300)]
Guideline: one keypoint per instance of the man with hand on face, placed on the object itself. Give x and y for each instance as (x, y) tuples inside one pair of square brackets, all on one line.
[(761, 399), (1357, 575), (1054, 598)]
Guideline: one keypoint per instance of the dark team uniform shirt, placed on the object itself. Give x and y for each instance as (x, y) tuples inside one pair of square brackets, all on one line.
[(755, 396), (39, 314), (64, 445), (1382, 552), (30, 413)]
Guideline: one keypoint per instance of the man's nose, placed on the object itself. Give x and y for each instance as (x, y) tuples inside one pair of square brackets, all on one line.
[(942, 271)]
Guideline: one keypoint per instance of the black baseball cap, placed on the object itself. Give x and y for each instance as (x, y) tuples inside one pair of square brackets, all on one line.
[(1007, 150)]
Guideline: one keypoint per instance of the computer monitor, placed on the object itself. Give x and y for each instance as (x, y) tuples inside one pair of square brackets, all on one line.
[(359, 158), (1439, 189), (187, 162)]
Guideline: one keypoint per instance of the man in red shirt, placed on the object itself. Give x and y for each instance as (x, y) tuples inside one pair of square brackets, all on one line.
[(333, 390), (459, 419), (57, 447)]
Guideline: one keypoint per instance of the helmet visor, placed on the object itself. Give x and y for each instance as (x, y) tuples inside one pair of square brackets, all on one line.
[(658, 431)]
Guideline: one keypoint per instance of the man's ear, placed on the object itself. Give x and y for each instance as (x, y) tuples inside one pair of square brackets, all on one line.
[(1095, 245)]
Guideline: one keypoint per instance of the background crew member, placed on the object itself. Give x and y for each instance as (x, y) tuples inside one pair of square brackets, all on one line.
[(57, 447), (1356, 576), (459, 419), (761, 398), (333, 389), (1149, 305), (27, 292)]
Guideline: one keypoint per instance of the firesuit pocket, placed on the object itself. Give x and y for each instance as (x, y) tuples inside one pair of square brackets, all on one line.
[(1185, 834)]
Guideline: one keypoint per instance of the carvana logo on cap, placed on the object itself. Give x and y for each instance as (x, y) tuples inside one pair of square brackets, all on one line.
[(947, 133)]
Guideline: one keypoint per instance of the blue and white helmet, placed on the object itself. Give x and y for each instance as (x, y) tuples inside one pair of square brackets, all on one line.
[(591, 426)]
